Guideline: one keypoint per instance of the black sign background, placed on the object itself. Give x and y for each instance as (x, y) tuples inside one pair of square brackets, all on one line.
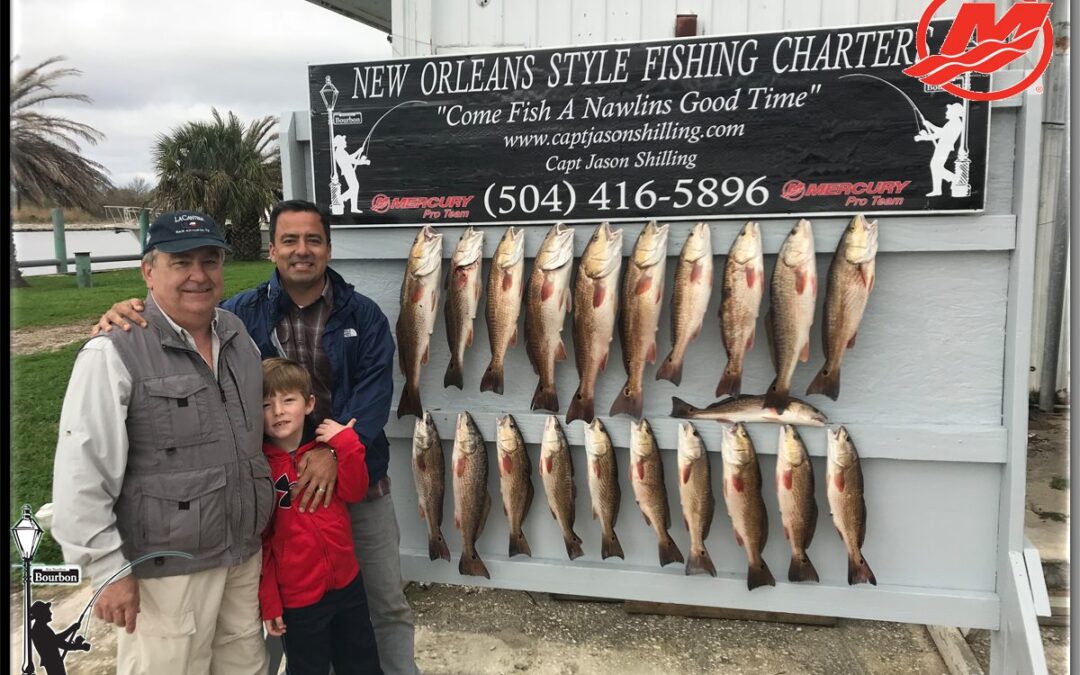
[(830, 140)]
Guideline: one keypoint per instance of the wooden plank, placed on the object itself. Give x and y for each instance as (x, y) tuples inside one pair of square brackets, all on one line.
[(693, 611), (883, 603), (954, 650), (934, 443), (898, 233)]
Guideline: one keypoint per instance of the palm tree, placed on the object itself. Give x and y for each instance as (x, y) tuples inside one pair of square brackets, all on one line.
[(45, 158), (224, 168)]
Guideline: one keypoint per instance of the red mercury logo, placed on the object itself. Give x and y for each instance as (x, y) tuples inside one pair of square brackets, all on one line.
[(993, 45), (380, 203)]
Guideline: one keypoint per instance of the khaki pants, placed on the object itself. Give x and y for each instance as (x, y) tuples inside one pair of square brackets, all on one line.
[(206, 623)]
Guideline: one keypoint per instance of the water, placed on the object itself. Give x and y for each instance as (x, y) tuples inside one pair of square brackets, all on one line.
[(39, 245)]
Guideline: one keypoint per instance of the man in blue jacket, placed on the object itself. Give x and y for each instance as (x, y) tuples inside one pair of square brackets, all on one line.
[(308, 313)]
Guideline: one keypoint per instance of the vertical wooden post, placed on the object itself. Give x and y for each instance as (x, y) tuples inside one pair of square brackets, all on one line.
[(82, 269), (59, 245), (144, 226)]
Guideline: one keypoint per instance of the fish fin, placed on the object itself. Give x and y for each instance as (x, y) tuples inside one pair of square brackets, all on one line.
[(697, 271), (547, 289), (643, 285), (568, 299), (560, 352), (650, 355), (730, 383), (492, 380), (858, 572), (409, 404), (750, 340), (681, 409), (421, 463), (459, 467), (641, 472), (423, 514), (469, 339), (457, 522), (603, 361), (801, 569), (581, 408), (751, 276), (548, 465), (545, 399), (573, 546), (594, 516), (776, 397), (700, 563), (611, 548), (471, 565), (802, 280), (873, 278), (738, 539), (826, 382), (737, 483), (507, 281), (813, 284), (838, 479), (506, 464), (804, 354), (787, 478), (851, 342), (427, 354), (648, 521), (759, 576), (519, 545), (599, 292), (670, 370), (437, 547), (686, 479), (627, 403), (454, 376), (669, 551), (514, 337)]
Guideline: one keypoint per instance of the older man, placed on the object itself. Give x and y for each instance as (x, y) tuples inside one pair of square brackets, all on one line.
[(159, 466)]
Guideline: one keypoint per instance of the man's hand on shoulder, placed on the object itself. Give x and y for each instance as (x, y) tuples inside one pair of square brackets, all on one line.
[(119, 603), (315, 478), (122, 314)]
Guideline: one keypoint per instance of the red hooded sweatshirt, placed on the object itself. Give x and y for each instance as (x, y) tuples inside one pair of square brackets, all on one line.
[(307, 554)]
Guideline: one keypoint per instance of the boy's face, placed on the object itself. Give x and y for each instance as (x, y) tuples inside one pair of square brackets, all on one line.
[(284, 412)]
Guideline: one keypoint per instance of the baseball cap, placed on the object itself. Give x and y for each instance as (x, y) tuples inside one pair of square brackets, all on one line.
[(179, 231)]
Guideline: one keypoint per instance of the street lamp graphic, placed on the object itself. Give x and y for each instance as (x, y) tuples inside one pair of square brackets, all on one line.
[(27, 534), (329, 94)]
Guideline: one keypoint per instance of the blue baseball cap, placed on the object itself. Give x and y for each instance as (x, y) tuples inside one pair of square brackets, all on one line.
[(179, 231)]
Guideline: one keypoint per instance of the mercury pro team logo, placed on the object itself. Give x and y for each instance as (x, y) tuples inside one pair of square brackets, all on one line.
[(979, 43)]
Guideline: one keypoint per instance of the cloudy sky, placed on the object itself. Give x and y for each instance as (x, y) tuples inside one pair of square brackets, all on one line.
[(151, 66)]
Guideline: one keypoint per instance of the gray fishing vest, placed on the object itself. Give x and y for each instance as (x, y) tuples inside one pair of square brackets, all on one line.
[(197, 481)]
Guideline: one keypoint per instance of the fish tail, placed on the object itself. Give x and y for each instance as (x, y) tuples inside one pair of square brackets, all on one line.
[(573, 545), (437, 546), (610, 547), (826, 382), (731, 382), (581, 408), (858, 572), (777, 397), (759, 575), (801, 569), (680, 408), (669, 552), (454, 376), (628, 403), (545, 398), (519, 545), (671, 369), (700, 562), (493, 379), (471, 565), (410, 402)]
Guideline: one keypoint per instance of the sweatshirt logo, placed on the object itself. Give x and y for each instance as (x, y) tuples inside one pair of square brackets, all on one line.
[(284, 488)]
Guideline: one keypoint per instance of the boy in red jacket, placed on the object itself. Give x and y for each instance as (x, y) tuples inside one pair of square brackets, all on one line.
[(312, 592)]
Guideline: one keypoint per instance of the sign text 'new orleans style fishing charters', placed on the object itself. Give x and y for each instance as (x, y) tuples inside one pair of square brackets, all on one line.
[(821, 121)]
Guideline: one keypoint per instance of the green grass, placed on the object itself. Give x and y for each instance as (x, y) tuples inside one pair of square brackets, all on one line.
[(55, 300), (38, 383)]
